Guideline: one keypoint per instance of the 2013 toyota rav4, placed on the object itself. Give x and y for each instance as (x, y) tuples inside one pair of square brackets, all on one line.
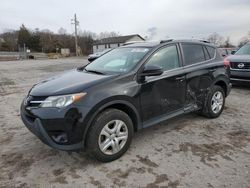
[(99, 106)]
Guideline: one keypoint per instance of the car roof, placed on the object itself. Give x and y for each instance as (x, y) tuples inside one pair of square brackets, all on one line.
[(141, 44), (151, 44)]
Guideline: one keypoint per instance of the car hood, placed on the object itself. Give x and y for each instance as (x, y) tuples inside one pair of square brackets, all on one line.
[(239, 58), (73, 81)]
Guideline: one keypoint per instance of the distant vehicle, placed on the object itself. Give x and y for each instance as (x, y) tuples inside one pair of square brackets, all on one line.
[(240, 65), (99, 106), (227, 51), (96, 55)]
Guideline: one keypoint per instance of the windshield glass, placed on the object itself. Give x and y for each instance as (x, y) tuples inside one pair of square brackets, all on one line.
[(245, 50), (119, 60)]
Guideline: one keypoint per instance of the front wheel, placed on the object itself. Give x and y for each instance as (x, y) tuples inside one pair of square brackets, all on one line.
[(110, 135), (215, 103)]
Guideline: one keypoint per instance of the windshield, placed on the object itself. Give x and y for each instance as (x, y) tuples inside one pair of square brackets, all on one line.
[(119, 60), (245, 50)]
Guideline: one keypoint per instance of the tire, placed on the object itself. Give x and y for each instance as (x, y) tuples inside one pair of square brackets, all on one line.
[(106, 139), (215, 102)]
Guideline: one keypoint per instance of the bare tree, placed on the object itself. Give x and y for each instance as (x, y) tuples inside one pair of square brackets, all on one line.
[(244, 40), (62, 31), (87, 33), (216, 39), (9, 40), (107, 34), (228, 43)]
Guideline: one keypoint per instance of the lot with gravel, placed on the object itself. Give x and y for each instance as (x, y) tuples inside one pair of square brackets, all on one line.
[(187, 151)]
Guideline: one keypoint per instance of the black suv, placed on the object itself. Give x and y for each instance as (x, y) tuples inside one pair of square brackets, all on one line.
[(240, 65), (99, 106)]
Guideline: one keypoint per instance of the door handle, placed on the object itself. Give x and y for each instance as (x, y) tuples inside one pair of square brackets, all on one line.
[(181, 78)]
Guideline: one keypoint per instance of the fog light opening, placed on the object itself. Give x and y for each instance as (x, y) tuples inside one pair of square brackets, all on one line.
[(60, 138)]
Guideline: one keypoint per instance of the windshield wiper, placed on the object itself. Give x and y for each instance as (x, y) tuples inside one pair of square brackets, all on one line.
[(94, 71)]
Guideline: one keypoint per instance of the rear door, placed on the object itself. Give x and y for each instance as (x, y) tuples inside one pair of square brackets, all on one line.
[(199, 75)]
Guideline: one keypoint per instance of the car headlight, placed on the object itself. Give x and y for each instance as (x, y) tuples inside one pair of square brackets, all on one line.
[(62, 100)]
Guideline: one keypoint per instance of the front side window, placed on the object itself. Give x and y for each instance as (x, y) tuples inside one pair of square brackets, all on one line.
[(245, 50), (193, 53), (166, 58), (119, 60)]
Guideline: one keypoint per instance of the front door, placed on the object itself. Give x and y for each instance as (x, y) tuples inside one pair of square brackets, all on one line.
[(164, 94)]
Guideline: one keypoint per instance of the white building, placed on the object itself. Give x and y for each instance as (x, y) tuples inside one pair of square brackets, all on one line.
[(114, 42)]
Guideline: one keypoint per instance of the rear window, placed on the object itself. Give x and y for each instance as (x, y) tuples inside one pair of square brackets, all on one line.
[(211, 51), (193, 53)]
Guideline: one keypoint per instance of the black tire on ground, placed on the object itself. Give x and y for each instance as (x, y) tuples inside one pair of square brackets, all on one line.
[(207, 110), (92, 140)]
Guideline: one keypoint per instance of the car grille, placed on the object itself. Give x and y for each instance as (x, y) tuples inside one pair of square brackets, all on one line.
[(33, 102), (240, 65)]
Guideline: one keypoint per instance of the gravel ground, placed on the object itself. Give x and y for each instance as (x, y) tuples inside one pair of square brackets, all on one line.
[(188, 151)]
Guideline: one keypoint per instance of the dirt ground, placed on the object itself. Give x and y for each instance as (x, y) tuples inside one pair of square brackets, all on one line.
[(188, 151)]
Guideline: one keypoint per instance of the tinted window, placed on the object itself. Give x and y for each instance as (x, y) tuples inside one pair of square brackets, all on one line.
[(166, 58), (193, 53), (211, 51)]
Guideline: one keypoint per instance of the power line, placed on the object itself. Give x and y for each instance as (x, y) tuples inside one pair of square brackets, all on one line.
[(75, 22)]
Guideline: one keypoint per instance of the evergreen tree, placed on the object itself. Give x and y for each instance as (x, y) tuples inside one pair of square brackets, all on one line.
[(24, 36)]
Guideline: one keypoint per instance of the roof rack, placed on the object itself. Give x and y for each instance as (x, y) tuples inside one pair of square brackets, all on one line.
[(165, 41), (132, 42), (205, 41)]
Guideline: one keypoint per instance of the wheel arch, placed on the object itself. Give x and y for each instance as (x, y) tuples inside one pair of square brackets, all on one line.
[(122, 105), (223, 82)]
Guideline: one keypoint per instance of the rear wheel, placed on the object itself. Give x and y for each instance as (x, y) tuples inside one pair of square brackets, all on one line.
[(110, 135), (215, 103)]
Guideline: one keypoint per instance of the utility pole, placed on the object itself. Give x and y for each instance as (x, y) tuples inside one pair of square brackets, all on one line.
[(75, 22)]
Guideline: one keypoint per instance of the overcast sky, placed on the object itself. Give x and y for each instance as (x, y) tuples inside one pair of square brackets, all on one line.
[(159, 18)]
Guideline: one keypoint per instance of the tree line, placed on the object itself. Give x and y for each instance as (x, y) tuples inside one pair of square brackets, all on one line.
[(47, 41), (220, 41)]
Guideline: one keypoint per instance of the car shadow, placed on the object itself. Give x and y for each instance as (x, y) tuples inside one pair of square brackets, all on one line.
[(241, 86)]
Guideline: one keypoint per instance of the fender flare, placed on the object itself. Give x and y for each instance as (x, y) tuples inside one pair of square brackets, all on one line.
[(225, 80)]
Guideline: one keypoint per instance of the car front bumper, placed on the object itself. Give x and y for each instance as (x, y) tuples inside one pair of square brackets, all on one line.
[(240, 76), (67, 122)]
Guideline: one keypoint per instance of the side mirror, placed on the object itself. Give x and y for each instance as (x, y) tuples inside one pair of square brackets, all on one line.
[(151, 70)]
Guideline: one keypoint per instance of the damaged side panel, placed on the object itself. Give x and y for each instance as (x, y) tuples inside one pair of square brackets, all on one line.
[(198, 84)]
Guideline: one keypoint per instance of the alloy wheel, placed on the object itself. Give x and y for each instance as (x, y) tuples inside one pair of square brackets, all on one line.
[(217, 102)]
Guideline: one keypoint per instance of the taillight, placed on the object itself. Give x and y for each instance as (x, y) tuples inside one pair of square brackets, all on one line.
[(226, 63)]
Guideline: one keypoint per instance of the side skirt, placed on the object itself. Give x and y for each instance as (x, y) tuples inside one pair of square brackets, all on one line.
[(164, 117)]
